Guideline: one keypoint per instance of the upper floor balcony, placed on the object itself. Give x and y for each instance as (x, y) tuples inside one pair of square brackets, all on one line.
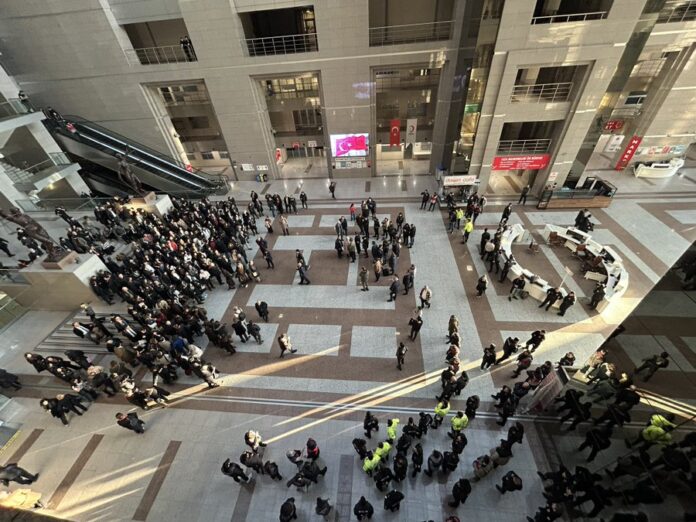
[(542, 92), (677, 11), (564, 11), (286, 44), (411, 33), (161, 55), (530, 146)]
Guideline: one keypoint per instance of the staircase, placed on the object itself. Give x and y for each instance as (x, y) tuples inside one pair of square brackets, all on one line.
[(15, 174), (63, 338)]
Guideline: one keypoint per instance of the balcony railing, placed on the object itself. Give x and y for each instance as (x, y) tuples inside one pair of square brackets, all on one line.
[(680, 13), (540, 146), (410, 33), (626, 112), (288, 44), (648, 68), (577, 17), (26, 172), (186, 98), (542, 92), (12, 107), (161, 55)]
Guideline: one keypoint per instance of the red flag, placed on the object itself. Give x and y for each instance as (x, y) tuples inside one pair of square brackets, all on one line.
[(395, 133)]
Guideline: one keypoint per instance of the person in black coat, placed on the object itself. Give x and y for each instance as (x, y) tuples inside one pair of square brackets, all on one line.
[(234, 470), (434, 462), (417, 459), (400, 467), (392, 500), (363, 510), (370, 424), (394, 289), (460, 492), (552, 295), (415, 324), (511, 482), (130, 421), (262, 309), (270, 468), (288, 511)]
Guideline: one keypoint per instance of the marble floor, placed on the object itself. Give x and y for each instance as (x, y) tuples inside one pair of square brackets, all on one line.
[(346, 339)]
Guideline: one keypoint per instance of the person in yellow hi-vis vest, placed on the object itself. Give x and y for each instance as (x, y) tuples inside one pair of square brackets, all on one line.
[(657, 431), (467, 230), (382, 450), (391, 430), (371, 462), (459, 422), (441, 411)]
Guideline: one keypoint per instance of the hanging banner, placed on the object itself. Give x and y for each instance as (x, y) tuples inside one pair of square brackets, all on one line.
[(628, 152), (528, 162), (395, 133), (411, 127)]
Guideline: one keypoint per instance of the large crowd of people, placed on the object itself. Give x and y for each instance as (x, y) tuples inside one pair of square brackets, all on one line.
[(177, 259)]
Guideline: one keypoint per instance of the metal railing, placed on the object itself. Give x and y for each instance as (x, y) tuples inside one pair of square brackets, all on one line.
[(684, 12), (542, 92), (187, 98), (576, 17), (160, 55), (288, 44), (626, 112), (25, 173), (539, 146), (410, 33), (648, 68), (12, 107)]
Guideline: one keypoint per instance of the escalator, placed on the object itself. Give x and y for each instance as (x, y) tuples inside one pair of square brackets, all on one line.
[(88, 141)]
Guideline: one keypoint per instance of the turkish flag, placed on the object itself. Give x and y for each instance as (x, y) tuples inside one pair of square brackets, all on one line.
[(395, 133), (349, 143)]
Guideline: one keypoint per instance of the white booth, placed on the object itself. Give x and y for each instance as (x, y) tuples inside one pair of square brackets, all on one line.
[(657, 169)]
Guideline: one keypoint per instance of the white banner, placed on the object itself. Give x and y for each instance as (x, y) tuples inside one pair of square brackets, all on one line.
[(411, 127), (453, 181)]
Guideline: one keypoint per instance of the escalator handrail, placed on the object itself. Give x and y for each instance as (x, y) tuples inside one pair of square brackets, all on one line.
[(210, 178), (164, 172)]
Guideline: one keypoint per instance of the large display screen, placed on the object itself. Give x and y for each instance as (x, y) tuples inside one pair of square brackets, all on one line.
[(344, 145)]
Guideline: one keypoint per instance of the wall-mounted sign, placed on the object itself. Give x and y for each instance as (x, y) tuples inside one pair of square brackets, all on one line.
[(470, 108), (628, 152), (552, 177), (247, 167), (457, 181), (614, 143), (613, 125), (527, 162), (661, 150), (261, 167), (350, 164), (311, 143)]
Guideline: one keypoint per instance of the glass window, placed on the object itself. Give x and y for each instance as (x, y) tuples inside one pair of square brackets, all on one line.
[(191, 157), (208, 155), (224, 154), (635, 98), (199, 122)]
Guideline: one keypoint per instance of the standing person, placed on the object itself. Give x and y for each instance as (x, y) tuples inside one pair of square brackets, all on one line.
[(288, 511), (552, 295), (488, 358), (651, 365), (518, 285), (363, 279), (507, 211), (484, 239), (332, 189), (506, 268), (523, 196), (415, 323), (417, 459), (511, 482), (392, 500), (407, 281), (425, 196), (370, 424), (466, 231), (130, 421), (268, 222), (285, 345), (187, 47), (4, 247), (284, 225), (352, 251), (537, 337), (363, 510), (393, 289), (460, 492), (433, 201), (481, 285), (434, 462), (598, 295), (441, 411), (234, 470), (303, 199), (262, 309), (401, 355), (302, 271), (567, 302), (425, 295)]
